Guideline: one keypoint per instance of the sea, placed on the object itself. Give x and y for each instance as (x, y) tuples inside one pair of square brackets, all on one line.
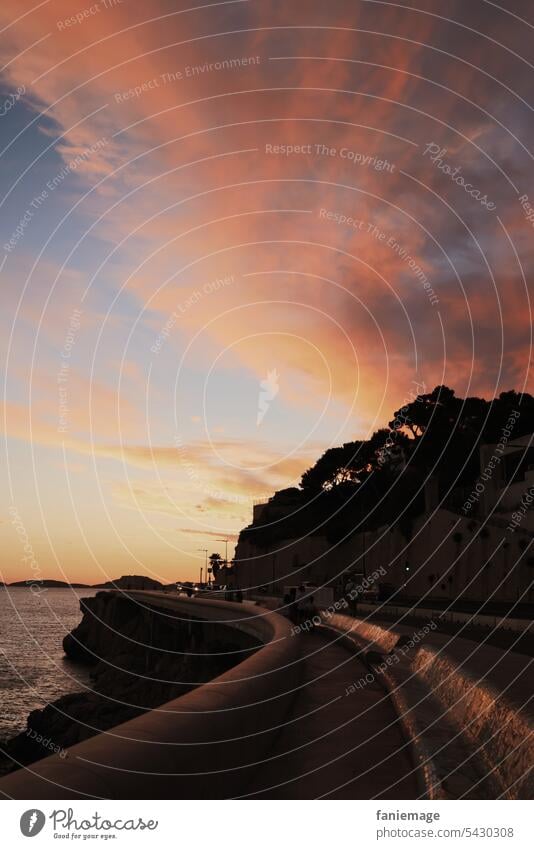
[(33, 668)]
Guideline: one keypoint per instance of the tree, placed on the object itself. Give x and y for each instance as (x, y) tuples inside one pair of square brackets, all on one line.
[(216, 563), (501, 410), (336, 466), (362, 483), (436, 410)]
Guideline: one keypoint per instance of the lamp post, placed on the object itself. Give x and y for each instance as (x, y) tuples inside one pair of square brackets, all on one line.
[(226, 550), (205, 550), (225, 555)]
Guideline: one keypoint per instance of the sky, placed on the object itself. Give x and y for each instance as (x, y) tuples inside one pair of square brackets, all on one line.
[(235, 234)]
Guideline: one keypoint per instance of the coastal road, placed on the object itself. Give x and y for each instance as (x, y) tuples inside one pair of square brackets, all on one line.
[(335, 745)]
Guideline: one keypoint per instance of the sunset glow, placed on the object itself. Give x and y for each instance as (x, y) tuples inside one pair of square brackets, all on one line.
[(236, 235)]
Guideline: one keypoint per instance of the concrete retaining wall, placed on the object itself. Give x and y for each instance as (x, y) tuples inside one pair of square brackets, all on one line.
[(206, 744)]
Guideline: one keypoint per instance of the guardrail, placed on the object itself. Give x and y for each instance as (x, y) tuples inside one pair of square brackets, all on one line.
[(205, 744)]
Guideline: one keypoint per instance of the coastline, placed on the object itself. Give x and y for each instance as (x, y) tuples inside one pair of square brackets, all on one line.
[(138, 660)]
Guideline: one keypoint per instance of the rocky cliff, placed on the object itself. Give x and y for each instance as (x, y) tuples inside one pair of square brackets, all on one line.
[(141, 657)]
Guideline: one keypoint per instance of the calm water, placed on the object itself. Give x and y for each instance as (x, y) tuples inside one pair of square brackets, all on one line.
[(33, 668)]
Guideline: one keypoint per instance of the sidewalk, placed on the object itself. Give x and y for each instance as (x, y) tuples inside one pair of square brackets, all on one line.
[(334, 745)]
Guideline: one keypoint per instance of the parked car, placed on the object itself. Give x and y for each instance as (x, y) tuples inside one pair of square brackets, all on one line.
[(185, 587), (218, 588)]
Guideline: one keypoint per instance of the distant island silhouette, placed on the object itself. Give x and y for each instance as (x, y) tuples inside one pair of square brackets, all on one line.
[(125, 582)]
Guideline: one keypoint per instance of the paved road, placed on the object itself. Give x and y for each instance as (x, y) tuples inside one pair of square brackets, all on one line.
[(336, 745)]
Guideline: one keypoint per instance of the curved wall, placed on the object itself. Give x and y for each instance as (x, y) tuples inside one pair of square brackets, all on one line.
[(206, 744)]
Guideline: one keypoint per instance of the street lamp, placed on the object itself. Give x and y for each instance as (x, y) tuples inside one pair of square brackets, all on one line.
[(205, 550), (226, 550)]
